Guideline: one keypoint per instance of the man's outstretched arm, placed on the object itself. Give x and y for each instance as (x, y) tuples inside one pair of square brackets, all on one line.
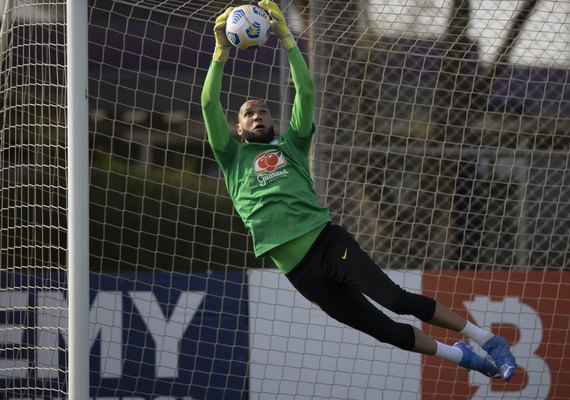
[(302, 113), (216, 125)]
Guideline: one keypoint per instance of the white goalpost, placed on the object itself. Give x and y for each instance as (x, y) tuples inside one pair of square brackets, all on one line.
[(441, 143), (78, 199)]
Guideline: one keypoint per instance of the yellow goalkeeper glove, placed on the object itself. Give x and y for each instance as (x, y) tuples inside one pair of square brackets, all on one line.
[(223, 45), (278, 25)]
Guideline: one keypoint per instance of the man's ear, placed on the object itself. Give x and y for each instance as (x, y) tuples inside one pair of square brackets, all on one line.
[(238, 129)]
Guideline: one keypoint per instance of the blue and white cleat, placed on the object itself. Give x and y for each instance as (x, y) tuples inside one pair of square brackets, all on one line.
[(498, 348), (473, 361)]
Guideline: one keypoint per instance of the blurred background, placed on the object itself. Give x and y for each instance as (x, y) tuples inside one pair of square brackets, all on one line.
[(442, 131)]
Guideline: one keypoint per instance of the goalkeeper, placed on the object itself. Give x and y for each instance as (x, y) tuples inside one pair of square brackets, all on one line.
[(268, 179)]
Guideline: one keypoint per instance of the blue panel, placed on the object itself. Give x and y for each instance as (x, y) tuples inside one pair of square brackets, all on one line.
[(213, 348)]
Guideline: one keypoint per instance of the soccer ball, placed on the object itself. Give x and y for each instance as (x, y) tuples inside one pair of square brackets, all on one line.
[(248, 27)]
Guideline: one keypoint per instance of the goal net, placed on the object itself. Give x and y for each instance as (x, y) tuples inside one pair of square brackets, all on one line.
[(441, 144)]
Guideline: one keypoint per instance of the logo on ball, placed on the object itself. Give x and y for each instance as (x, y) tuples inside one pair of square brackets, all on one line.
[(248, 27)]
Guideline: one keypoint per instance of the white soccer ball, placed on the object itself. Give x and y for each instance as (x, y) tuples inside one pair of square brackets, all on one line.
[(248, 27)]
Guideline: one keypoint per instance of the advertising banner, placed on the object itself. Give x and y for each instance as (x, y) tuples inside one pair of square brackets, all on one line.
[(530, 308), (154, 336), (162, 336), (298, 350)]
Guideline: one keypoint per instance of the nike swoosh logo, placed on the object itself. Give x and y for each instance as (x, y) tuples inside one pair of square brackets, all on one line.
[(344, 255)]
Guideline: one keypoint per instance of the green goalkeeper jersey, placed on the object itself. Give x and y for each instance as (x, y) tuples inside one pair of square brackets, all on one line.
[(270, 183)]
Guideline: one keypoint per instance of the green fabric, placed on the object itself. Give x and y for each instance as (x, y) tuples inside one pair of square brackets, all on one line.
[(219, 133), (289, 254), (270, 184)]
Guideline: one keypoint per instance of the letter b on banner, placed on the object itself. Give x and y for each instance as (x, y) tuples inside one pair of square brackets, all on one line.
[(526, 319)]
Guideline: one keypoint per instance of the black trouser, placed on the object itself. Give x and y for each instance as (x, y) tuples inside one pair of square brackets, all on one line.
[(336, 274)]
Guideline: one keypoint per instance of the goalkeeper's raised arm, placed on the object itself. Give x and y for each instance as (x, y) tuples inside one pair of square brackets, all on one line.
[(302, 113), (217, 128), (301, 123)]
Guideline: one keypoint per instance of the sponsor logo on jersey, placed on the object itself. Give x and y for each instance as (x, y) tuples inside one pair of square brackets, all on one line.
[(269, 161), (268, 166)]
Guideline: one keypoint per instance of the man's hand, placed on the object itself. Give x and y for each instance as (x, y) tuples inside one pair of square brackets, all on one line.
[(223, 45), (278, 25)]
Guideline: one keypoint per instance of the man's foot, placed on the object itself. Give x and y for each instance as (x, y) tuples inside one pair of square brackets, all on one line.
[(498, 349), (473, 361)]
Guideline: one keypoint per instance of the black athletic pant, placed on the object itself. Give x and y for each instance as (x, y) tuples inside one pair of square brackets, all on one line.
[(336, 274)]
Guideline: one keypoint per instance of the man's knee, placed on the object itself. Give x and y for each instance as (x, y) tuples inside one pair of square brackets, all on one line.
[(419, 306)]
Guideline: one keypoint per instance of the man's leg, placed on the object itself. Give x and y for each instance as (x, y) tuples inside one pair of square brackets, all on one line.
[(351, 266)]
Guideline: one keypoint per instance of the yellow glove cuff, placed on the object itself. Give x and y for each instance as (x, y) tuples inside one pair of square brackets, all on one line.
[(221, 54), (288, 41)]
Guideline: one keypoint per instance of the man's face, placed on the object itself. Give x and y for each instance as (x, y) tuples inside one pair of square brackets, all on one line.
[(255, 123)]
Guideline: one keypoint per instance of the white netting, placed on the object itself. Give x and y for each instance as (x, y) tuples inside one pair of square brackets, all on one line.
[(33, 199)]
